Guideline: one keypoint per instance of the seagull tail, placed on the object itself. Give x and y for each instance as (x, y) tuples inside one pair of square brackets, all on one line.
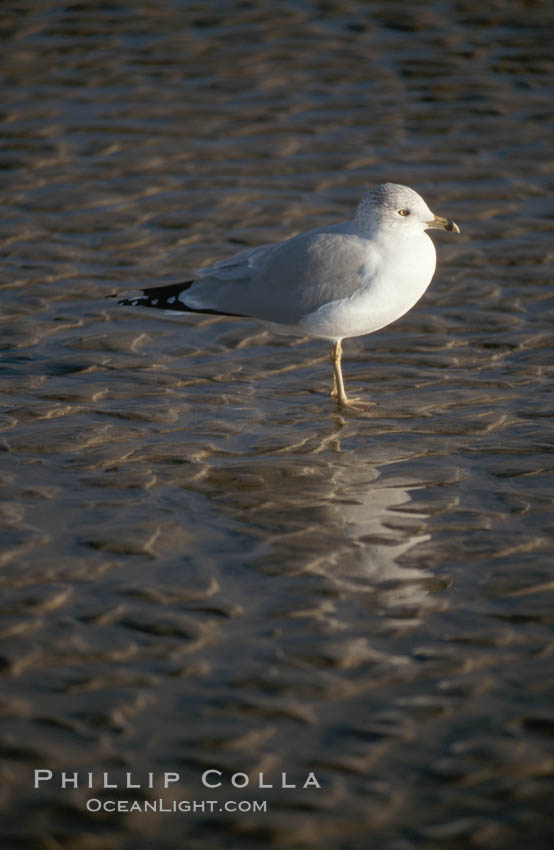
[(167, 298)]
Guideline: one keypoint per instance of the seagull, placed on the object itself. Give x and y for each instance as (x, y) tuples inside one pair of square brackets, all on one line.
[(331, 283)]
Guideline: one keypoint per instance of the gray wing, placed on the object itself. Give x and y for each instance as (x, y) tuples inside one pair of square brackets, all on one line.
[(286, 281)]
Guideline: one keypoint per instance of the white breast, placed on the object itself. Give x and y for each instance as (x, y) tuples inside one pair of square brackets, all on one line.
[(396, 284)]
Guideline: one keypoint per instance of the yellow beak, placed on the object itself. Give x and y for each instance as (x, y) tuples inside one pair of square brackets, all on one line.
[(441, 223)]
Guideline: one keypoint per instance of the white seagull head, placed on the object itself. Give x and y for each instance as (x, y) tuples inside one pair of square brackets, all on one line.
[(397, 209)]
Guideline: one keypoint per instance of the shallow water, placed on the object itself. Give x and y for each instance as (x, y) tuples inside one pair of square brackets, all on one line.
[(206, 565)]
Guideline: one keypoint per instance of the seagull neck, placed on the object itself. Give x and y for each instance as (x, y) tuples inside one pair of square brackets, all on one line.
[(365, 226), (369, 228), (386, 238)]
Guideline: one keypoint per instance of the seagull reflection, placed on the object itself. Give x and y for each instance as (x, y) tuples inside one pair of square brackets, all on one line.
[(379, 531)]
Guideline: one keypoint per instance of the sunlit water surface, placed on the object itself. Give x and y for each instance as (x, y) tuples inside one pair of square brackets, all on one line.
[(205, 564)]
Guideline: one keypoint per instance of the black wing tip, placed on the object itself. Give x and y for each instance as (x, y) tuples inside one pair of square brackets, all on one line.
[(163, 297), (131, 302), (167, 298)]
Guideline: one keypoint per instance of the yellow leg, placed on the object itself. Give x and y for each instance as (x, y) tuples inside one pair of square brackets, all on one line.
[(338, 390)]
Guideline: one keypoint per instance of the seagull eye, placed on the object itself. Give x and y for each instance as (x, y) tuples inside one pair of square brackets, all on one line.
[(403, 212)]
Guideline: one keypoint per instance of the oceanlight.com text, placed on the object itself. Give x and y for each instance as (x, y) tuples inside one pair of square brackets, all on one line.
[(94, 804)]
